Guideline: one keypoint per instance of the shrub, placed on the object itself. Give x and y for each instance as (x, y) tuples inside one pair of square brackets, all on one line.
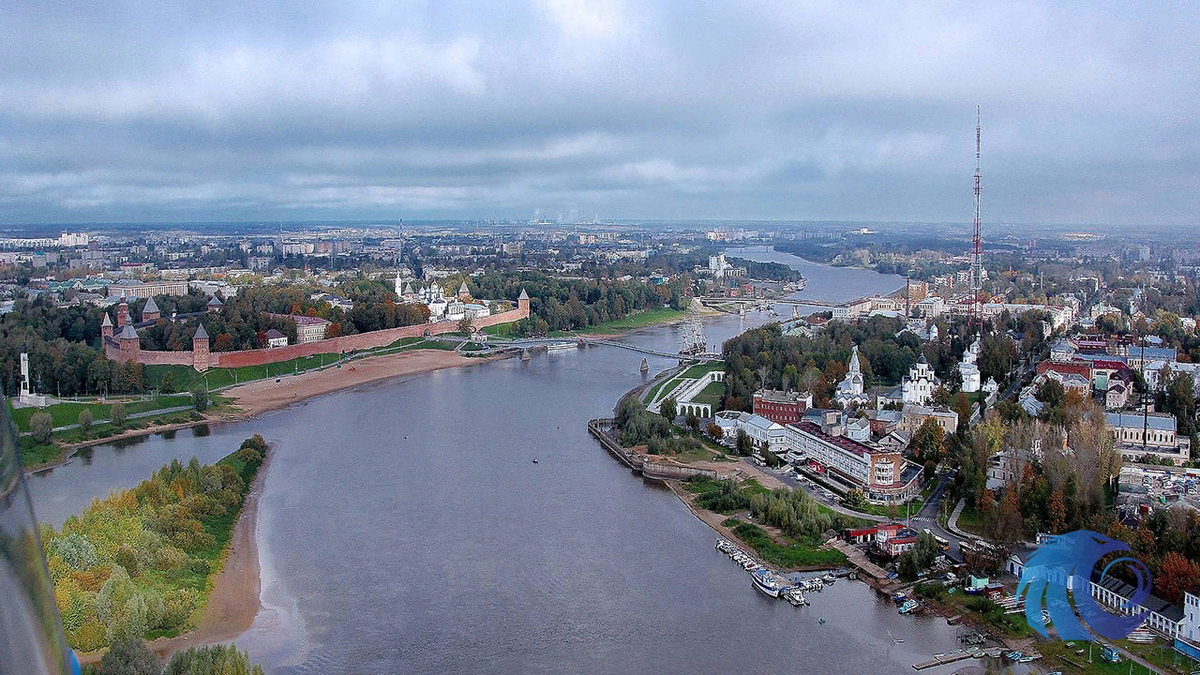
[(42, 426), (85, 420), (116, 414)]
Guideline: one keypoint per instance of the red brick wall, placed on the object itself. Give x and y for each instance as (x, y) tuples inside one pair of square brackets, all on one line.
[(346, 343)]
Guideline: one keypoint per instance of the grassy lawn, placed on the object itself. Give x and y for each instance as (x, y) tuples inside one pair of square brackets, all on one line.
[(35, 454), (712, 394), (649, 317), (701, 369), (795, 554), (970, 520), (68, 413)]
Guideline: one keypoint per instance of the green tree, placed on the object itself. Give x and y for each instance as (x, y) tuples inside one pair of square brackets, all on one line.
[(167, 385), (42, 426), (130, 656), (667, 409), (212, 660), (200, 398), (693, 422), (925, 550), (85, 420), (744, 445), (116, 414)]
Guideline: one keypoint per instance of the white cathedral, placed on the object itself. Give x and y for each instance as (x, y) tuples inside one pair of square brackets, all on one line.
[(850, 390), (968, 369)]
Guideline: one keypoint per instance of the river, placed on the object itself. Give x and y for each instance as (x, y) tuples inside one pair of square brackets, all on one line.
[(403, 527)]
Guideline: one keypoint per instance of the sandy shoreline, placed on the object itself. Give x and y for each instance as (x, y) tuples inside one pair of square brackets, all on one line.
[(263, 395)]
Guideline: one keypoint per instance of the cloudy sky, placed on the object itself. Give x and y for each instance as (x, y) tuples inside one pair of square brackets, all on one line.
[(265, 109)]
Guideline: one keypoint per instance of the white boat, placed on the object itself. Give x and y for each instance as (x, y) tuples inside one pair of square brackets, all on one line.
[(561, 346), (769, 583)]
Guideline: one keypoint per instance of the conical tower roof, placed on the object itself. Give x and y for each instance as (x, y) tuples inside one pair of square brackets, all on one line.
[(524, 295), (201, 334), (151, 306), (463, 288), (128, 332), (106, 321), (854, 366), (215, 302)]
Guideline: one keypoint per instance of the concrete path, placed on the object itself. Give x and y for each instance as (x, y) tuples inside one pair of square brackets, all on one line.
[(131, 416)]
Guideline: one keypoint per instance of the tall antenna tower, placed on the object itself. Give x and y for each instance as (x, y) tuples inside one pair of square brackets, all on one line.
[(976, 238)]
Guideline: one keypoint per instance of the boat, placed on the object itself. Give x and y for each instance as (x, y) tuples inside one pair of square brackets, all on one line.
[(645, 367), (899, 598), (561, 346), (821, 620), (535, 460), (909, 606), (795, 597), (829, 578), (768, 582)]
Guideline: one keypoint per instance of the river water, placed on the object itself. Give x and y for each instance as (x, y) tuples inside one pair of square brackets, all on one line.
[(403, 527)]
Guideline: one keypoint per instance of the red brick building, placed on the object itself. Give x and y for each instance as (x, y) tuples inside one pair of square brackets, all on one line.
[(781, 407)]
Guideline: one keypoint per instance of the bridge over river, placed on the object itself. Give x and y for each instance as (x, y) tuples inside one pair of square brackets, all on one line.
[(583, 340)]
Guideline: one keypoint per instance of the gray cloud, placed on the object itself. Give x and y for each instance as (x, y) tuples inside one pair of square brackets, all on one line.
[(266, 110)]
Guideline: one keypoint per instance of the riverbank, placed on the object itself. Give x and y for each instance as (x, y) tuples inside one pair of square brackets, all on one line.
[(264, 395)]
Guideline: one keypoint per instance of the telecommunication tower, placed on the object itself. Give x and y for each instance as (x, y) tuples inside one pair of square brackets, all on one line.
[(976, 238)]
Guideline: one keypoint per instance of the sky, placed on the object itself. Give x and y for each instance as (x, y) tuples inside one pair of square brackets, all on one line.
[(122, 111)]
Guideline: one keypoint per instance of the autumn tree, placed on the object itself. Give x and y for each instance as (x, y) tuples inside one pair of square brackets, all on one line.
[(927, 442), (1175, 575), (85, 420)]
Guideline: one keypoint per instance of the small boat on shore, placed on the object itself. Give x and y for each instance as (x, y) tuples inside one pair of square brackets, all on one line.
[(909, 606)]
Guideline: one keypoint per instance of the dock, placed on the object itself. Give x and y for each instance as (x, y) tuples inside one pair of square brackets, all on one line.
[(941, 660), (859, 560)]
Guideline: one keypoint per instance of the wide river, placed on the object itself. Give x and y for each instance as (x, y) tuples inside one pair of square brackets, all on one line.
[(403, 527)]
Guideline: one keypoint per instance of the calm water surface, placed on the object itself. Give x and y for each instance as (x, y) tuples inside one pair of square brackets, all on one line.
[(404, 527)]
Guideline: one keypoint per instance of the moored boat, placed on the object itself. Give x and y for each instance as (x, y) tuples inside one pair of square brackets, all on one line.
[(770, 583)]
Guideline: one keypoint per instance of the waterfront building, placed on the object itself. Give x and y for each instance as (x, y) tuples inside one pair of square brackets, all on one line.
[(882, 475), (781, 407)]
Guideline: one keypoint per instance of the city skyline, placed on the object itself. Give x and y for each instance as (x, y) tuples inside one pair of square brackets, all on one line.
[(648, 110)]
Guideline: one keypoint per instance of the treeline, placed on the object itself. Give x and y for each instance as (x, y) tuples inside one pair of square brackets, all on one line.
[(766, 271), (130, 656), (138, 562), (63, 347), (570, 304), (245, 318), (641, 427), (765, 357)]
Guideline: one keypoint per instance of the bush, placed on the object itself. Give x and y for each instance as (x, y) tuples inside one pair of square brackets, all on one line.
[(212, 659), (200, 398), (85, 420), (116, 414), (42, 426)]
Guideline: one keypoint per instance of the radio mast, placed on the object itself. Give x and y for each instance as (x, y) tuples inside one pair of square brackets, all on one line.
[(976, 239)]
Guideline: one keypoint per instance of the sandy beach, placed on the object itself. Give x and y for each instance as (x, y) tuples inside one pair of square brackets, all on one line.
[(258, 397)]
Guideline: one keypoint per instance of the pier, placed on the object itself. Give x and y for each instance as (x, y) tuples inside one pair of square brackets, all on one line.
[(583, 340)]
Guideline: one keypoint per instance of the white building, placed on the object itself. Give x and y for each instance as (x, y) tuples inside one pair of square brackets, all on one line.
[(918, 386), (968, 369), (850, 390)]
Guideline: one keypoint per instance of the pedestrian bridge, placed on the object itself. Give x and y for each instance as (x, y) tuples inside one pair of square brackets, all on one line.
[(584, 340)]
